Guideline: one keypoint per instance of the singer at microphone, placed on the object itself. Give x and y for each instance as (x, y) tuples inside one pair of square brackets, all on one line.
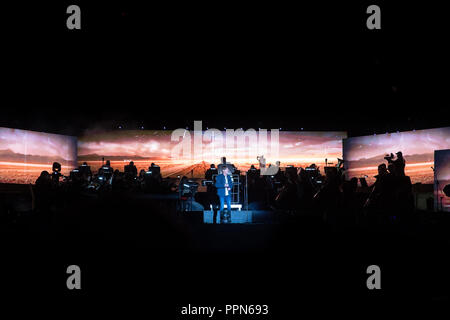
[(224, 185)]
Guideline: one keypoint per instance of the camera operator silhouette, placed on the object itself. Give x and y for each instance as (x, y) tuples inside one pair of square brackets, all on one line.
[(399, 163), (224, 185)]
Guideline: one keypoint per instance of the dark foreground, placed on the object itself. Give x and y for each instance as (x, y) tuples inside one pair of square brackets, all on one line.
[(139, 255)]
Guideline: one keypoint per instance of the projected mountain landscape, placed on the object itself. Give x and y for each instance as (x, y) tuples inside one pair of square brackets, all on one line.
[(364, 154), (24, 154), (442, 178), (145, 147)]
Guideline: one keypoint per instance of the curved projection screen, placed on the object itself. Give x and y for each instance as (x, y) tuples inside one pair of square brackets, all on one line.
[(24, 154), (362, 155), (441, 179), (144, 147)]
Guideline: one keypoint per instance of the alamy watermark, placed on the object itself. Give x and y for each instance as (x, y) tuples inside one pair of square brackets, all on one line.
[(234, 144)]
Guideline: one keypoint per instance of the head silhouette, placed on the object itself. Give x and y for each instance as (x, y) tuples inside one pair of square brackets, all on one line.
[(382, 170)]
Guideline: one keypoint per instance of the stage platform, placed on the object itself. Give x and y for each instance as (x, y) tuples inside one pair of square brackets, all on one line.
[(238, 216)]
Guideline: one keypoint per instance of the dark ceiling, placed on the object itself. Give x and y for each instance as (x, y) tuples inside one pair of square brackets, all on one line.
[(311, 66)]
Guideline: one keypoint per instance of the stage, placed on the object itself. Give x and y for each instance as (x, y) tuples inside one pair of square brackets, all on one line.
[(239, 216)]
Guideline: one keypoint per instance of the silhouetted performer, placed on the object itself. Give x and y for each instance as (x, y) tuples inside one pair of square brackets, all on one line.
[(141, 178), (43, 191), (253, 170), (106, 168), (85, 171), (43, 180), (380, 188), (278, 174), (105, 172), (184, 193), (210, 172), (226, 164), (156, 172), (131, 170), (224, 185)]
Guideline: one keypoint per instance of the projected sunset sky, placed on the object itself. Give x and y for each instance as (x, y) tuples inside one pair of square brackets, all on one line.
[(144, 147), (442, 174), (24, 154), (364, 154)]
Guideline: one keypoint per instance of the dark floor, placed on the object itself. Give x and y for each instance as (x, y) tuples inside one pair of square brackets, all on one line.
[(136, 248)]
